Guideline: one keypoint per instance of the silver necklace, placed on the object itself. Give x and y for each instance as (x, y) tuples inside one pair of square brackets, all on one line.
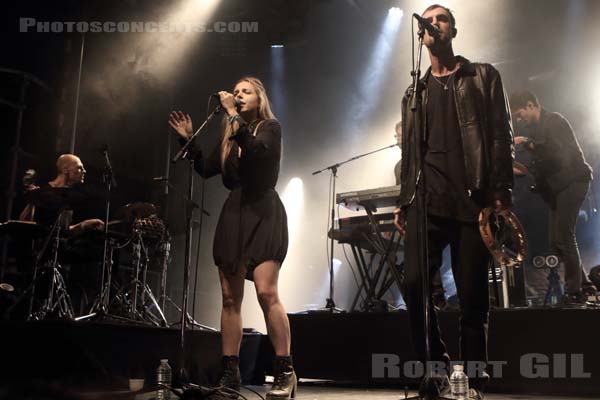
[(444, 85)]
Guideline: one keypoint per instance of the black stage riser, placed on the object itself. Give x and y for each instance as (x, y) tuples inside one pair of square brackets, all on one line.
[(341, 347), (100, 354)]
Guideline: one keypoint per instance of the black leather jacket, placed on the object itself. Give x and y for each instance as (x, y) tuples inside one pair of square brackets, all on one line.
[(486, 130)]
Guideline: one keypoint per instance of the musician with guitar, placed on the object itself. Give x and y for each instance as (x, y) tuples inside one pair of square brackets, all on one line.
[(562, 178)]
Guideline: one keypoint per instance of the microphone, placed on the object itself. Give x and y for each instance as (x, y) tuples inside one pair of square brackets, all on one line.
[(433, 30), (216, 96)]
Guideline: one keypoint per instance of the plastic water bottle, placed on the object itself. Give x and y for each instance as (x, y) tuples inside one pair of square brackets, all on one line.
[(459, 383), (163, 377)]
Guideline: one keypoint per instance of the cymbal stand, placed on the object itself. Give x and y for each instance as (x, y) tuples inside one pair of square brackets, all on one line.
[(165, 247), (100, 307), (146, 291), (133, 295), (109, 180), (135, 278), (57, 296)]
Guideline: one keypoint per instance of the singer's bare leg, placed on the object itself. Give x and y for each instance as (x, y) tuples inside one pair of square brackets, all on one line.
[(232, 289), (265, 277)]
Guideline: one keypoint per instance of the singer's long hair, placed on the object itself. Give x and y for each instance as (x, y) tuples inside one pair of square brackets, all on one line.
[(264, 112)]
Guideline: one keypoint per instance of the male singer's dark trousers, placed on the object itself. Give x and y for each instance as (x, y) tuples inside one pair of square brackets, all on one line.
[(470, 259)]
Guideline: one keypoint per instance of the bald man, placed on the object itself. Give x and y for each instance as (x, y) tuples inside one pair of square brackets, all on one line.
[(69, 171)]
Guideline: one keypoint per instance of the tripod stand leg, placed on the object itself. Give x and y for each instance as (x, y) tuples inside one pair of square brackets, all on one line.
[(31, 291), (63, 299), (166, 248), (155, 304)]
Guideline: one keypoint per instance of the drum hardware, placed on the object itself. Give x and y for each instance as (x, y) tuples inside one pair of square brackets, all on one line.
[(134, 302), (136, 299), (16, 230), (100, 307), (138, 210), (108, 178), (57, 297), (24, 229)]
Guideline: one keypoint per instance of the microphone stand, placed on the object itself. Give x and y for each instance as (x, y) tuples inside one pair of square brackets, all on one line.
[(162, 298), (330, 304), (100, 308), (189, 209), (415, 106), (109, 179)]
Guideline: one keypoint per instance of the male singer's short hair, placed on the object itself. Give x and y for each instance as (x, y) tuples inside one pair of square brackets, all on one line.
[(452, 19)]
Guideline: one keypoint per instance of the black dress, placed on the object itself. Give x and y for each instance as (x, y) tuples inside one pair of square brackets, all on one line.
[(252, 227)]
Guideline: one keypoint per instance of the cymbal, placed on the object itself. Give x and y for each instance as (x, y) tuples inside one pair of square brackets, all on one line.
[(22, 228), (136, 210), (56, 197)]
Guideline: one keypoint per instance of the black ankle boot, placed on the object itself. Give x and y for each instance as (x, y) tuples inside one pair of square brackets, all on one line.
[(285, 384), (230, 379)]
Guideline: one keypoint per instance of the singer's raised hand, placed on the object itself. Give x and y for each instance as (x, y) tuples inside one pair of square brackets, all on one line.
[(228, 102), (181, 123)]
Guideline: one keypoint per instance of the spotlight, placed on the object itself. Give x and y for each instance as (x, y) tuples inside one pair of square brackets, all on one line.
[(293, 199), (277, 46), (395, 12)]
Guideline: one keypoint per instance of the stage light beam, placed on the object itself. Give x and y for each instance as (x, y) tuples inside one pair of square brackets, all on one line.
[(293, 200), (373, 77)]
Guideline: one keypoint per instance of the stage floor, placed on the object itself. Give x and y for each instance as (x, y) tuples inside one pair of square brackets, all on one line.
[(335, 392)]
